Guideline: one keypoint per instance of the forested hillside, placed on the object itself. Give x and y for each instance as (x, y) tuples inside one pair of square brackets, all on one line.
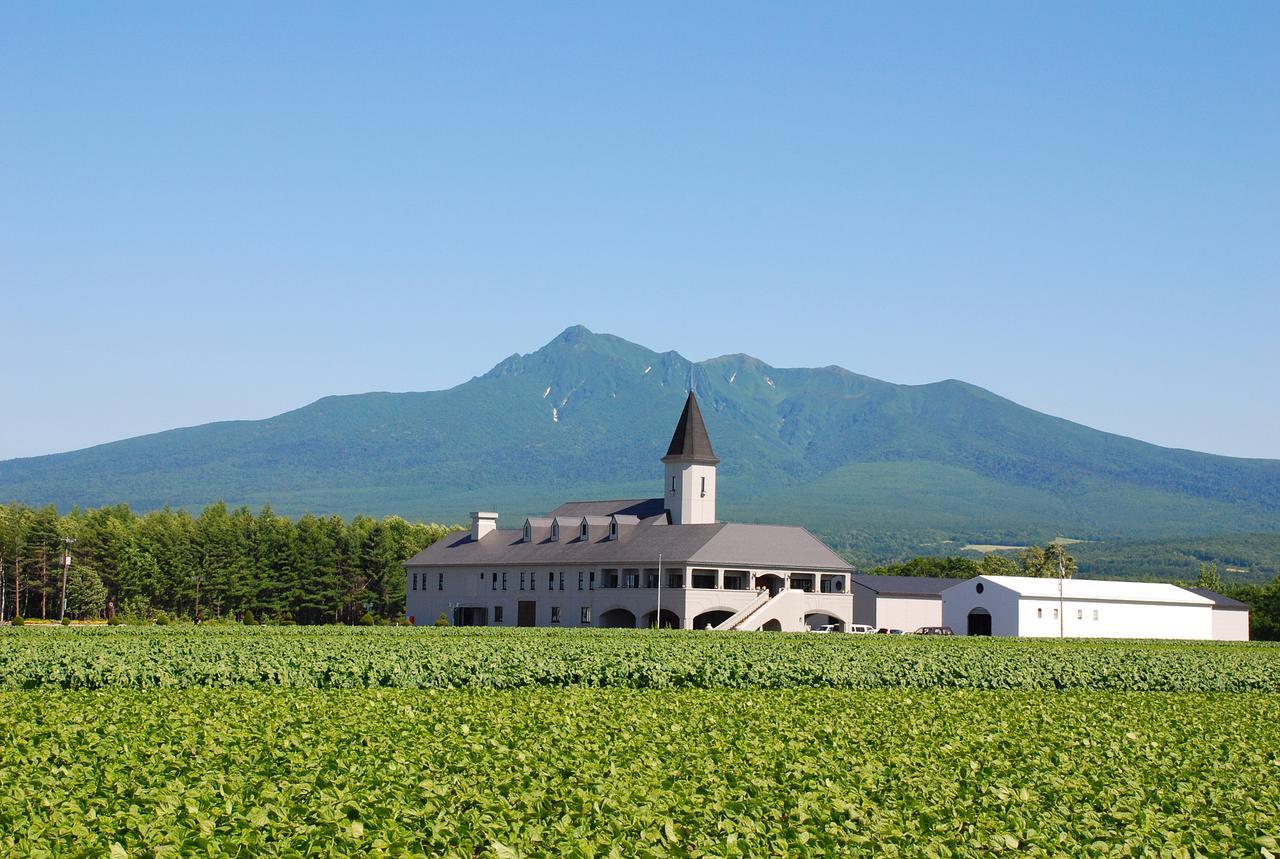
[(588, 415)]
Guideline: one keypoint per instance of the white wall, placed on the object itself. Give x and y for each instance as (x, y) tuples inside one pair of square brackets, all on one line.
[(688, 504), (909, 613), (1230, 625), (1035, 617), (464, 586)]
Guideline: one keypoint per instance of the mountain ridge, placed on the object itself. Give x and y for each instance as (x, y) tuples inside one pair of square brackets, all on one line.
[(589, 413)]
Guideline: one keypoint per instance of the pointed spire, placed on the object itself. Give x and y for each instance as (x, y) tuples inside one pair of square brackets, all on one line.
[(690, 443)]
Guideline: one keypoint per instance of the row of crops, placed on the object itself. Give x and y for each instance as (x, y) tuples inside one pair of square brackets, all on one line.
[(345, 657), (587, 772)]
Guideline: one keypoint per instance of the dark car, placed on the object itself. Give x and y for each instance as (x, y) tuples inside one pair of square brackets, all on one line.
[(934, 630)]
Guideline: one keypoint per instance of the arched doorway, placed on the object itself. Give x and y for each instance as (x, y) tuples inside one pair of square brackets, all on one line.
[(817, 620), (774, 625), (772, 582), (979, 622), (670, 620), (711, 619), (618, 618)]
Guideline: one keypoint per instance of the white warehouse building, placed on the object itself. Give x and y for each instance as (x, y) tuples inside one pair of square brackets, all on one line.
[(1084, 608)]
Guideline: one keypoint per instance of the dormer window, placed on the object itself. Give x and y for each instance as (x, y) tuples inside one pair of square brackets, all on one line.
[(555, 530), (613, 529), (584, 530), (528, 533)]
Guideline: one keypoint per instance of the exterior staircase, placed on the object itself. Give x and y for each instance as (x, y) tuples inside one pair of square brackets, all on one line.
[(739, 618)]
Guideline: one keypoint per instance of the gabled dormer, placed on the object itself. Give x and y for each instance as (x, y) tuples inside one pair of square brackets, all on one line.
[(535, 529)]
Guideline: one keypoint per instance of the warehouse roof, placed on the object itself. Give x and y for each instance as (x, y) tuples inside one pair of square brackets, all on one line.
[(1096, 589), (905, 586), (1220, 602)]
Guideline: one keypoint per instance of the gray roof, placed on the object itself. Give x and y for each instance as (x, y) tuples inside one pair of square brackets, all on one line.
[(719, 544), (1224, 603), (905, 586), (690, 443)]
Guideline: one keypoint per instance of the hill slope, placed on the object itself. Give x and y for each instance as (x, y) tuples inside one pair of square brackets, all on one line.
[(590, 415)]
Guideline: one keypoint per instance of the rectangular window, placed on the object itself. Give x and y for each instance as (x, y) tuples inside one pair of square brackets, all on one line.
[(497, 614), (586, 614), (579, 579), (551, 581), (493, 582), (673, 484), (522, 580), (504, 580), (1055, 614), (591, 580), (562, 580), (555, 614), (1079, 614), (1095, 614), (440, 582), (1039, 612), (533, 581), (415, 581), (704, 487)]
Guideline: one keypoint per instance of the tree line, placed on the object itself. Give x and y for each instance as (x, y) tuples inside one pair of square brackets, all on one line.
[(223, 563), (1041, 562)]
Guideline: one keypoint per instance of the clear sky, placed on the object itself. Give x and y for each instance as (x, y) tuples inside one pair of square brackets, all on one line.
[(227, 210)]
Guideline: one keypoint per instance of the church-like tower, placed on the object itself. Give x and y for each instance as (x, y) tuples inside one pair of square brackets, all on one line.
[(689, 470)]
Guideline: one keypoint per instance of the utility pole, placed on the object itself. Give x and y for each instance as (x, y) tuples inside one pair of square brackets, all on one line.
[(197, 579), (66, 567), (1062, 610), (657, 621)]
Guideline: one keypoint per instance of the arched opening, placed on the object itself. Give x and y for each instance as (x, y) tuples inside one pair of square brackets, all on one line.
[(774, 625), (618, 618), (818, 620), (711, 619), (772, 582), (979, 622), (669, 620)]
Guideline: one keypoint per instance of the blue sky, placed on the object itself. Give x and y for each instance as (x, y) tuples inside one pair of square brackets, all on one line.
[(214, 211)]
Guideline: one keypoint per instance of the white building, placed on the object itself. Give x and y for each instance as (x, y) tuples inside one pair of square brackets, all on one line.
[(899, 602), (1230, 617), (1033, 608), (635, 563)]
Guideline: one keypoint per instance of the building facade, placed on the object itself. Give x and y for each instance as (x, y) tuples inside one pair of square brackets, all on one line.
[(662, 561), (899, 602), (1084, 608)]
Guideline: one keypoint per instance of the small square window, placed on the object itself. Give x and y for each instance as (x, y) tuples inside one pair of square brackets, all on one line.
[(555, 614)]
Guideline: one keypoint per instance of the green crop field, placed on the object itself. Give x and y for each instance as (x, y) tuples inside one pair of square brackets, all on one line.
[(232, 741), (423, 658), (582, 772)]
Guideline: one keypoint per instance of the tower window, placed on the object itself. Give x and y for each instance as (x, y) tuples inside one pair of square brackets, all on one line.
[(673, 484), (704, 487)]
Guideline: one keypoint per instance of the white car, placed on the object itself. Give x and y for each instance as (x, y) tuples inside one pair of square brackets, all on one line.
[(862, 629), (827, 627)]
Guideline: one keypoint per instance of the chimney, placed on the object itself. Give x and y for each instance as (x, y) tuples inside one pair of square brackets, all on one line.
[(483, 523)]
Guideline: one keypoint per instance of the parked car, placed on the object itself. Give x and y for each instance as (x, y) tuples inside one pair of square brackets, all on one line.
[(861, 629), (827, 627), (885, 630), (934, 630)]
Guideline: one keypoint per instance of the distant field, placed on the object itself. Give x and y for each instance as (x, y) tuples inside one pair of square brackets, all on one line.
[(594, 772), (495, 658)]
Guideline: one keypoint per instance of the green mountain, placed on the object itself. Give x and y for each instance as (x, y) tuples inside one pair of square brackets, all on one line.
[(589, 415)]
